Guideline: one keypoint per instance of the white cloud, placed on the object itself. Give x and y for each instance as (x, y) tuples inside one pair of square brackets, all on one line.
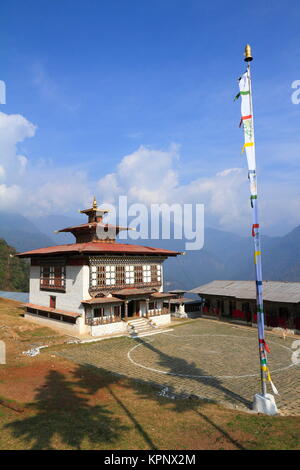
[(146, 176), (9, 196), (150, 176), (35, 189), (14, 128), (23, 162), (58, 192), (109, 188), (2, 173)]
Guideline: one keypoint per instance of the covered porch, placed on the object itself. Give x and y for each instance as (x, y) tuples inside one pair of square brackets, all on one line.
[(143, 303), (126, 305)]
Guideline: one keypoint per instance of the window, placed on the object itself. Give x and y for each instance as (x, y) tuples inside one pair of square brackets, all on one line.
[(41, 313), (120, 275), (138, 274), (129, 274), (106, 275), (52, 277), (110, 275), (98, 312), (232, 306), (55, 316), (98, 276), (283, 312), (245, 307), (156, 273), (158, 270), (94, 276), (68, 319), (117, 311), (152, 305), (146, 273)]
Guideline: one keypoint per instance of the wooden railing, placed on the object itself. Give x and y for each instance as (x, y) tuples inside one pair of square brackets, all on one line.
[(106, 319), (155, 312), (58, 284)]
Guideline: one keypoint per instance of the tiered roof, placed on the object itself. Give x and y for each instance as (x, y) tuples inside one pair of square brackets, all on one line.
[(96, 237), (98, 249)]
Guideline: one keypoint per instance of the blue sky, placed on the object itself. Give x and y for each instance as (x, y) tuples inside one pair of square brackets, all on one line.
[(99, 79)]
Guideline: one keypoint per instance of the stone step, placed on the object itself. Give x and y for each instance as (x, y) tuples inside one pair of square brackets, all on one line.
[(138, 327), (143, 328), (138, 322), (141, 332), (141, 322), (138, 319), (151, 332)]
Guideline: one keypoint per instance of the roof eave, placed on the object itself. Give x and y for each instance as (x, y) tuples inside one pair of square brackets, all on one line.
[(95, 252)]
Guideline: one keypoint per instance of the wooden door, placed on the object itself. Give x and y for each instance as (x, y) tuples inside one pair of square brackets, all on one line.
[(52, 301)]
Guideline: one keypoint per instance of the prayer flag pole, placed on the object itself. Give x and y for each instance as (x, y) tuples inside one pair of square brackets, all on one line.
[(263, 402)]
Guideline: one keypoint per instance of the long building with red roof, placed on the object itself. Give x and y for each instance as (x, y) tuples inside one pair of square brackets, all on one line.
[(96, 285)]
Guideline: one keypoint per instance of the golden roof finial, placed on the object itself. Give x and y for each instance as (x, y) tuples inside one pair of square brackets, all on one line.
[(248, 54), (95, 206)]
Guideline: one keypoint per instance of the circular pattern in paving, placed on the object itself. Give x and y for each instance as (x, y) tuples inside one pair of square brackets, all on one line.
[(208, 355), (212, 360)]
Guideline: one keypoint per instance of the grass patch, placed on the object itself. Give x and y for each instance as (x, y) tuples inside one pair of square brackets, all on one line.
[(11, 404), (42, 332), (269, 432), (84, 407)]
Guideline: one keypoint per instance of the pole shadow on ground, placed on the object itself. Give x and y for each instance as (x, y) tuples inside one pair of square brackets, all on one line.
[(175, 365), (62, 414), (92, 379)]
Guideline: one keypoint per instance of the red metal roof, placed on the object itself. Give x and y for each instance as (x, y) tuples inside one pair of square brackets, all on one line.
[(52, 310), (93, 225), (134, 291), (180, 300), (102, 300), (127, 293), (99, 247), (162, 295)]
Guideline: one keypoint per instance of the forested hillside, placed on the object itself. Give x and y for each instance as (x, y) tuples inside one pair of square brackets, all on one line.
[(14, 272)]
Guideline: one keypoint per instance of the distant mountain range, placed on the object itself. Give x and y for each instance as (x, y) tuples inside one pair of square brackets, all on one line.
[(21, 233), (225, 255)]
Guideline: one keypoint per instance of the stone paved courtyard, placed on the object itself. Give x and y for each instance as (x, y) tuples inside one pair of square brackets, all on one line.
[(215, 361)]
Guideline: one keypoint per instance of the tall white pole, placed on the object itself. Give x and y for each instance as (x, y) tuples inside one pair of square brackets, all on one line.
[(257, 252)]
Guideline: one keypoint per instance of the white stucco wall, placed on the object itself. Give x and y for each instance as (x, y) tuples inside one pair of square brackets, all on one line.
[(160, 320), (77, 283), (142, 308), (109, 329), (54, 324), (85, 282), (77, 289)]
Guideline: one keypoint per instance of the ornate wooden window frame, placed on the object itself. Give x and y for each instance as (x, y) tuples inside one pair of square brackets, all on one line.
[(98, 265), (55, 278)]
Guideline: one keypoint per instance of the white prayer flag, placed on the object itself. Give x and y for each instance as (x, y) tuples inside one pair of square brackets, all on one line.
[(247, 120)]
